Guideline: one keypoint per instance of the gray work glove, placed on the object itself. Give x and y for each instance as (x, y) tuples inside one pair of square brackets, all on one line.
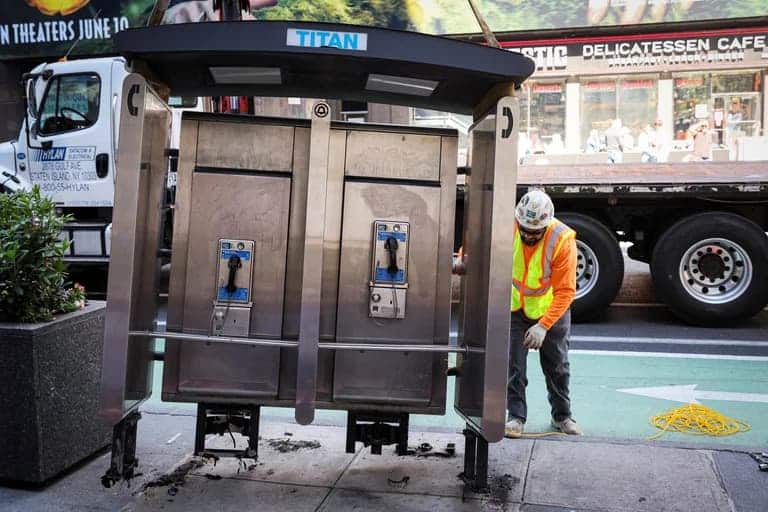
[(534, 337)]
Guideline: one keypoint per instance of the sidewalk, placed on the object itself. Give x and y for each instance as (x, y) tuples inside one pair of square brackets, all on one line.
[(306, 468)]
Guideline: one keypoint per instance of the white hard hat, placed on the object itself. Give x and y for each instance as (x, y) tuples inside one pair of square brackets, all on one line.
[(535, 210)]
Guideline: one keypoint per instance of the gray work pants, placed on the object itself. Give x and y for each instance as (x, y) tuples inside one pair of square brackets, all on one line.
[(553, 355)]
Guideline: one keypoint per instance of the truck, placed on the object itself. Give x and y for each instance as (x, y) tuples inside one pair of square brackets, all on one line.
[(700, 226), (67, 145)]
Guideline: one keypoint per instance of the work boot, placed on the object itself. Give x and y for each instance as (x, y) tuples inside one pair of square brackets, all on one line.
[(514, 427), (568, 426)]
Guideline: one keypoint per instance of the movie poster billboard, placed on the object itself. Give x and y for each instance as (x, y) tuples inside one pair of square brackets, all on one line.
[(54, 28)]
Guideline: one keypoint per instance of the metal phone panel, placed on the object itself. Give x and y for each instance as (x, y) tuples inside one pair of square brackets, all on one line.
[(330, 267), (403, 156), (181, 212), (448, 158), (393, 378), (332, 236), (258, 147), (248, 207), (134, 267), (312, 278), (178, 279), (489, 217), (296, 227), (295, 260)]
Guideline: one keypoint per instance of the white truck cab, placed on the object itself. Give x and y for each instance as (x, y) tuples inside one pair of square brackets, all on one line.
[(67, 146)]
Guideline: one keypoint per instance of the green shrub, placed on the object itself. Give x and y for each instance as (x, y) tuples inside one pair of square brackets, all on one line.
[(32, 272)]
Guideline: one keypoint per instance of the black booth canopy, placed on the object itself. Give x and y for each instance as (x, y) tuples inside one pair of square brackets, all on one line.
[(323, 60)]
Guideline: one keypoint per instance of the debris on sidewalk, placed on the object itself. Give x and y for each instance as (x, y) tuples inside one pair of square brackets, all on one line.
[(500, 487), (761, 459), (285, 445), (210, 457), (425, 450), (175, 478), (401, 483)]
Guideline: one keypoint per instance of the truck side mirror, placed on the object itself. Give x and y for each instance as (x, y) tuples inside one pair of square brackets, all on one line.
[(34, 129), (31, 100)]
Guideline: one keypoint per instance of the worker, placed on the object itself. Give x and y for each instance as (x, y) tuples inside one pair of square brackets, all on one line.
[(543, 287)]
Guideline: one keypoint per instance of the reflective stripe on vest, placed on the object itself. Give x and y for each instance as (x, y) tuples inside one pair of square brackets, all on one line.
[(531, 286)]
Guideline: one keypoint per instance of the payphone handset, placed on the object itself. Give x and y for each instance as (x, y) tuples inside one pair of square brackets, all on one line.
[(389, 269), (232, 302)]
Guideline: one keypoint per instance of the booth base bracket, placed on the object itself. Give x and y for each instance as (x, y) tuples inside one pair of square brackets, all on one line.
[(123, 461), (225, 419), (475, 473), (376, 429)]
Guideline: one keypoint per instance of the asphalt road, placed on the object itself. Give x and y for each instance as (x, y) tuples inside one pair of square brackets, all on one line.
[(655, 329)]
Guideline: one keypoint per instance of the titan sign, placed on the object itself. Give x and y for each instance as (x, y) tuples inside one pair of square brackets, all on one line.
[(744, 48), (50, 28)]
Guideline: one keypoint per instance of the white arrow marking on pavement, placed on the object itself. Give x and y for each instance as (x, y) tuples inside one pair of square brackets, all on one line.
[(687, 393)]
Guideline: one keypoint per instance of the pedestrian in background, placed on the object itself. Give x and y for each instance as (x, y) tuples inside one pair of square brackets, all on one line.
[(613, 142), (702, 143), (593, 144)]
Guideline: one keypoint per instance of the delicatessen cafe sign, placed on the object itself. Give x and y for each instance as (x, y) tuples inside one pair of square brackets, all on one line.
[(659, 54)]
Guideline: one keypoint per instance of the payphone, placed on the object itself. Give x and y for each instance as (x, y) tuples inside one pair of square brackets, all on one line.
[(389, 273), (349, 306), (232, 306)]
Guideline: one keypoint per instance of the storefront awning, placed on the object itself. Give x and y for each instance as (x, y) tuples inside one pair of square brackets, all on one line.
[(321, 60)]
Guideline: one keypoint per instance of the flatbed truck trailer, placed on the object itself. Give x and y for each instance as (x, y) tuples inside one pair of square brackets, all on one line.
[(700, 226)]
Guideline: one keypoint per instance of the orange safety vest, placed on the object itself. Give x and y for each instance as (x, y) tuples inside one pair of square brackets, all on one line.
[(531, 284)]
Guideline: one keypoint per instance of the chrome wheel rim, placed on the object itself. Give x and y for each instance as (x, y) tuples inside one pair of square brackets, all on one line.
[(587, 269), (715, 271)]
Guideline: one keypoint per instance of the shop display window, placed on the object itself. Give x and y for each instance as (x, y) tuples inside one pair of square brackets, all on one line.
[(547, 115), (637, 107), (632, 100), (598, 106), (691, 100), (728, 102), (736, 82), (542, 118)]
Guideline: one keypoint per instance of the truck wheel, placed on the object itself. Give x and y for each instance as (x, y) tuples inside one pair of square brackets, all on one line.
[(600, 266), (712, 268)]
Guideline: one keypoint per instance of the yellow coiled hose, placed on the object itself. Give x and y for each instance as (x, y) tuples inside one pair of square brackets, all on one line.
[(698, 420)]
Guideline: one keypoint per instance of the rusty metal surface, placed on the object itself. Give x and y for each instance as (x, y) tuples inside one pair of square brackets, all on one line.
[(732, 173)]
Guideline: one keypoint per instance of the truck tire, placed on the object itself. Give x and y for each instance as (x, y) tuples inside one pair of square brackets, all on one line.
[(600, 268), (712, 268)]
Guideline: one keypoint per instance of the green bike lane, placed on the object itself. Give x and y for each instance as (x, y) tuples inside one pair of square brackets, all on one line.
[(599, 406)]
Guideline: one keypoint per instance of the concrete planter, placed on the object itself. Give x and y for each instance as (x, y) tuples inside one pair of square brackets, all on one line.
[(49, 381)]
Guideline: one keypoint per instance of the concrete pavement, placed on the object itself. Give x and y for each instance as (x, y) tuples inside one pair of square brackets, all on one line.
[(547, 474)]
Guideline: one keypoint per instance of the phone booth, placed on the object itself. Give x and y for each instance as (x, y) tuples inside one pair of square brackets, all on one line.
[(311, 259)]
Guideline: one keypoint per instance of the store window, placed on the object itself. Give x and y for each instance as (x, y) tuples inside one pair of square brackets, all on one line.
[(637, 107), (542, 113), (728, 103), (735, 82), (633, 101), (735, 107), (692, 99), (598, 107), (547, 115)]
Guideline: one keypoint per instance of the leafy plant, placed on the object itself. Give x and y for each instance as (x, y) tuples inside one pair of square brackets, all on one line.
[(32, 272)]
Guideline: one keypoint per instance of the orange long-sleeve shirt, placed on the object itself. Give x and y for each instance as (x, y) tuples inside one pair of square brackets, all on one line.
[(563, 279)]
